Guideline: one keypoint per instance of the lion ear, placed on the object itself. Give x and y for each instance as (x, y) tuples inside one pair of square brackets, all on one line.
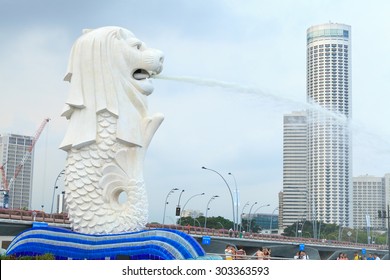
[(68, 77), (121, 34), (84, 31)]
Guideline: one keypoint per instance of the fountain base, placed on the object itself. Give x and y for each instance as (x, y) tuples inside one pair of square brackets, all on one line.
[(152, 244)]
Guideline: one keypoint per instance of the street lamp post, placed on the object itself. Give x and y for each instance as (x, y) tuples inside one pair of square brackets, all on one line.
[(237, 199), (303, 224), (54, 190), (249, 217), (166, 202), (319, 230), (341, 228), (357, 230), (223, 229), (315, 225), (230, 191), (270, 224), (261, 206), (301, 220), (368, 223), (242, 211), (178, 204), (195, 220), (52, 201), (388, 230), (207, 208), (185, 204), (311, 214)]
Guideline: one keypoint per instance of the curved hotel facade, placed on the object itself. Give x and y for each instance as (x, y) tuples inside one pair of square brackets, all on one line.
[(329, 169)]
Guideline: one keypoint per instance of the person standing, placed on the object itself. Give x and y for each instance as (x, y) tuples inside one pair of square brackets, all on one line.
[(260, 253), (356, 256), (267, 253), (229, 253), (240, 254), (302, 255)]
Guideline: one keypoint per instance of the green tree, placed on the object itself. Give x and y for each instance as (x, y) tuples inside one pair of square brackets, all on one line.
[(212, 222), (254, 227), (333, 232), (306, 229)]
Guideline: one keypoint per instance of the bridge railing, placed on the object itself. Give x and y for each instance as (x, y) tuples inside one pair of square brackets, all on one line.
[(40, 216), (33, 215), (270, 237), (247, 257)]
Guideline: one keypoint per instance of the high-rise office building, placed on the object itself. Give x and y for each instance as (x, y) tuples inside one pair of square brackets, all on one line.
[(329, 139), (387, 189), (294, 207), (13, 149), (369, 197)]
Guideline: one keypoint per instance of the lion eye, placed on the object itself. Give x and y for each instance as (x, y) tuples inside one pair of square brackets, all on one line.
[(138, 46)]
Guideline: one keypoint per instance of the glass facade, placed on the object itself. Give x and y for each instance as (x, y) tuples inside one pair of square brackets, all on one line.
[(327, 33), (265, 221)]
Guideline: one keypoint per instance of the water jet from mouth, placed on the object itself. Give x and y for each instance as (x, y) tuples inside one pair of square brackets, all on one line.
[(336, 117), (373, 140)]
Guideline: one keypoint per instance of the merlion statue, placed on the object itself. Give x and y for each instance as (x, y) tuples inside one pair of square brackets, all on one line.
[(109, 130)]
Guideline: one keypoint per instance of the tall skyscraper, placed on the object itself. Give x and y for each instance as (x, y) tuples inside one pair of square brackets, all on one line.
[(294, 169), (13, 149), (329, 139)]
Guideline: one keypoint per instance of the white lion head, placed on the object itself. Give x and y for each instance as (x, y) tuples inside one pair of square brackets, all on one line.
[(109, 69)]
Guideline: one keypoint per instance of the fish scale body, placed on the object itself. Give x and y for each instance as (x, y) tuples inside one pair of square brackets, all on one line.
[(96, 176)]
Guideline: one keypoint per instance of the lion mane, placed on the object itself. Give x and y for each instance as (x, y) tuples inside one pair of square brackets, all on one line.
[(101, 71)]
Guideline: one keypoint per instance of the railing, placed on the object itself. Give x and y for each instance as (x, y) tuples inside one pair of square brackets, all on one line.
[(33, 215), (268, 237), (247, 257), (40, 216)]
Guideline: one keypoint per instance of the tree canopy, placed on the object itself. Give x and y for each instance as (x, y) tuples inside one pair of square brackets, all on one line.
[(333, 232), (212, 222)]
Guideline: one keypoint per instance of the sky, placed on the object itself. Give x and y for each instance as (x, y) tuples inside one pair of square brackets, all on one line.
[(257, 44)]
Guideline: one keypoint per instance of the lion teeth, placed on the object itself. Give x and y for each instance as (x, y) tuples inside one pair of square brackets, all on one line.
[(140, 76)]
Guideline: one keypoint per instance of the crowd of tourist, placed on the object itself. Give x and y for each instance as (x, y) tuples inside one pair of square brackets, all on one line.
[(231, 253), (263, 253), (357, 256)]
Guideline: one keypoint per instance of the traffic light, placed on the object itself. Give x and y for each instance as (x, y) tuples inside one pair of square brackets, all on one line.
[(379, 213), (384, 214), (177, 211)]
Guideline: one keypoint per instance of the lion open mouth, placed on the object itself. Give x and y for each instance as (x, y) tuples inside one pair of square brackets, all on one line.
[(141, 74)]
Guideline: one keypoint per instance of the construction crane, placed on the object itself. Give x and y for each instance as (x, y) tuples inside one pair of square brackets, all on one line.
[(8, 185)]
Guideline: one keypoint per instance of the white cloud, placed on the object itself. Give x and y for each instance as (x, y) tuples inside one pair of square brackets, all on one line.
[(260, 44)]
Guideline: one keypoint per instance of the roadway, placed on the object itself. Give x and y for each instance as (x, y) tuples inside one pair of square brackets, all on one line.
[(12, 222), (283, 247)]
